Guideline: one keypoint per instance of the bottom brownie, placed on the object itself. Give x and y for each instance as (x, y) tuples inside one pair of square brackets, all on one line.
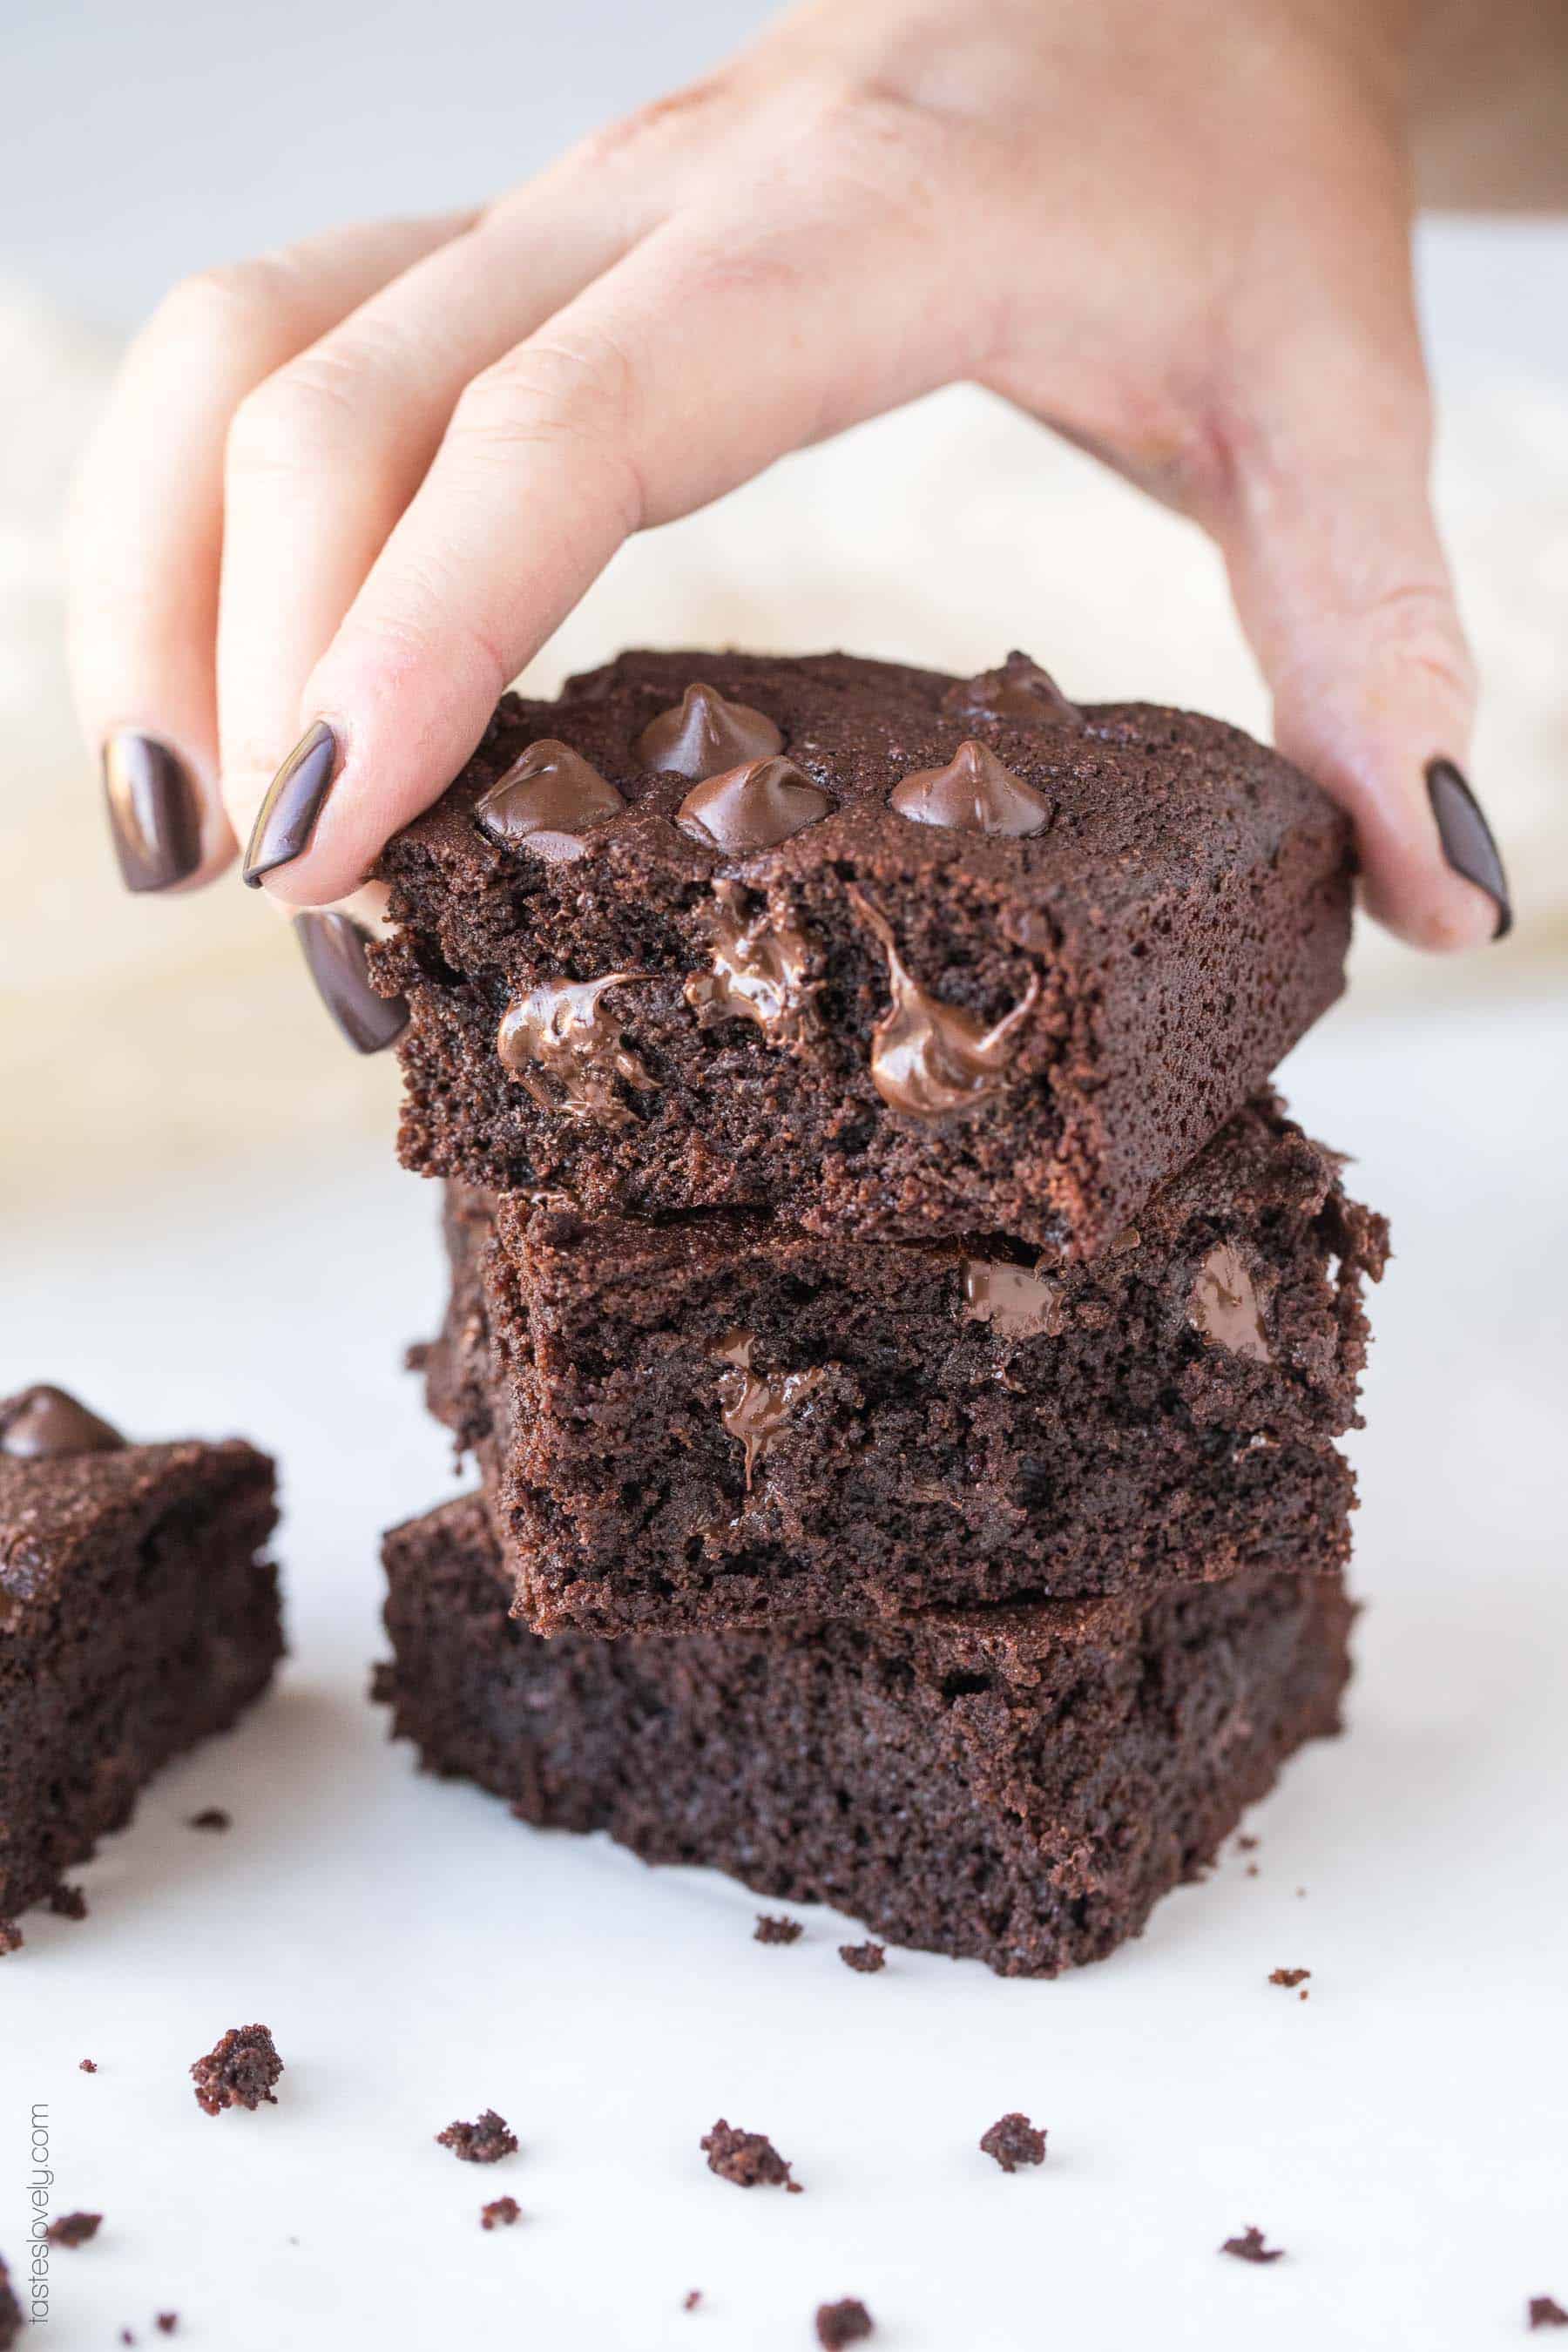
[(1020, 1786), (137, 1615)]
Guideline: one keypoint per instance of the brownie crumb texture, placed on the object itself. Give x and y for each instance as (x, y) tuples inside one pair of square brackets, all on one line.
[(1545, 2311), (73, 2229), (11, 1938), (485, 2142), (1289, 1977), (773, 1929), (167, 2322), (88, 2066), (692, 2299), (68, 1902), (1249, 2248), (1013, 2140), (865, 1958), (839, 2324), (238, 2071), (10, 2310), (500, 2213), (211, 1817), (748, 2158)]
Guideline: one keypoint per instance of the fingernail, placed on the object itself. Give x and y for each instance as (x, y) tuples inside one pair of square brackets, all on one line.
[(334, 950), (287, 817), (1466, 838), (155, 811)]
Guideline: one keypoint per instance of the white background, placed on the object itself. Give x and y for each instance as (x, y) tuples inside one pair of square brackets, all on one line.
[(225, 1245)]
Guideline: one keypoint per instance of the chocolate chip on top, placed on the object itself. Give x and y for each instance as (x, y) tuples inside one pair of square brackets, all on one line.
[(1019, 689), (703, 735), (547, 798), (752, 807), (41, 1424), (974, 793)]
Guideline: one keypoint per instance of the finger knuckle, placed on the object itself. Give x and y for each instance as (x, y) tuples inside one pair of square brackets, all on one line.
[(217, 304), (302, 416), (576, 392)]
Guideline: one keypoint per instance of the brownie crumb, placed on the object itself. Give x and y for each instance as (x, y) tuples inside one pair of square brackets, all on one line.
[(167, 2322), (73, 2229), (748, 2158), (11, 1939), (500, 2213), (238, 2071), (87, 2065), (485, 2142), (1013, 2140), (1546, 2312), (695, 2298), (839, 2324), (10, 2310), (383, 1683), (865, 1958), (126, 2336), (1249, 2248), (211, 1817), (1288, 1977), (68, 1902), (770, 1929), (1248, 1844)]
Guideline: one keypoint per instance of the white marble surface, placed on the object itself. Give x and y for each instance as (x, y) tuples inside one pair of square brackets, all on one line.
[(419, 1954)]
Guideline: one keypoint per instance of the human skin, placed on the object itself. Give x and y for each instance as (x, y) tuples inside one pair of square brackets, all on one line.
[(361, 480)]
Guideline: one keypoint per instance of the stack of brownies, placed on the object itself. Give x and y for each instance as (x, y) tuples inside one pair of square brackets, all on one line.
[(901, 1339)]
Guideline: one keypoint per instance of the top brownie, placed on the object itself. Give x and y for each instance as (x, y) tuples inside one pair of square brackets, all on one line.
[(891, 951)]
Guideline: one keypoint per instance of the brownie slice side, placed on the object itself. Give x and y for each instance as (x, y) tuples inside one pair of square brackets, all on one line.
[(1019, 1787), (911, 1426), (138, 1615), (872, 1024)]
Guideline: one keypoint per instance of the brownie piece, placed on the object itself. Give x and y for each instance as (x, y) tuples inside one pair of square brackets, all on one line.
[(1018, 1785), (485, 2142), (748, 2158), (138, 1613), (1013, 2140), (841, 2324), (240, 2069), (887, 950), (721, 1419)]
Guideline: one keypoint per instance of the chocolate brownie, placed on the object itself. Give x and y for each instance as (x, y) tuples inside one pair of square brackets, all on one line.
[(722, 1419), (1013, 2140), (240, 2069), (887, 950), (1018, 1785), (839, 2324), (138, 1613)]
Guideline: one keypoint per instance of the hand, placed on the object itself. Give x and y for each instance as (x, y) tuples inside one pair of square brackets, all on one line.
[(351, 488)]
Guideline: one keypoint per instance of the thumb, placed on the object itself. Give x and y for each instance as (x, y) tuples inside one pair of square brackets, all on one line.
[(1340, 583)]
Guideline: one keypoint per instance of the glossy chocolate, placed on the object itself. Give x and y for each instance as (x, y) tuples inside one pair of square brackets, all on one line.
[(1018, 1302), (295, 798), (41, 1424), (703, 735), (1019, 689), (928, 1058), (335, 951), (974, 793), (752, 807), (1225, 1305), (757, 1407), (562, 1031), (154, 812), (547, 799), (759, 967)]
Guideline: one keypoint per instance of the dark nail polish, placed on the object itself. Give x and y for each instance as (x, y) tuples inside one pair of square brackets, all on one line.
[(1466, 838), (334, 949), (155, 811), (287, 817)]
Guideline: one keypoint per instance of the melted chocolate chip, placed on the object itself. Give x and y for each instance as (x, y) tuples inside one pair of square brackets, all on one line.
[(561, 1030), (760, 966), (756, 1407), (1018, 1301), (928, 1058), (41, 1424), (1225, 1305), (1019, 689), (704, 735), (974, 793), (546, 799), (752, 807)]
